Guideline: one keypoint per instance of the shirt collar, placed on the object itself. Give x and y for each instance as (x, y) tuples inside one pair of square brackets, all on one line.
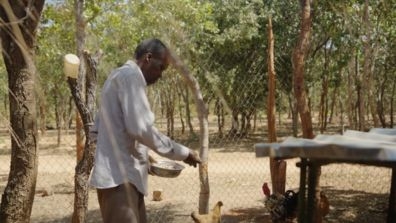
[(134, 65)]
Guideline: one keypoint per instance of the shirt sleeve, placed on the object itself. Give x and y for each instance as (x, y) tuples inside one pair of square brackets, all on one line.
[(139, 119)]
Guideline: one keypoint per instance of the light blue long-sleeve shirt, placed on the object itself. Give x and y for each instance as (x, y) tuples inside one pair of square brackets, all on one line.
[(125, 128)]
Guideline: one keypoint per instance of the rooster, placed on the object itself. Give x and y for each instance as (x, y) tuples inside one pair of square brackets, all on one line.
[(283, 207), (214, 215)]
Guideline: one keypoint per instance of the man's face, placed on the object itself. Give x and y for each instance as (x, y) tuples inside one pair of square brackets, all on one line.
[(153, 65)]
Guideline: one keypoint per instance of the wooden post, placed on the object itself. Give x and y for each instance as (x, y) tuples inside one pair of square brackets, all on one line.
[(202, 111), (302, 208), (299, 54), (313, 200), (277, 167), (84, 166), (80, 41), (392, 198)]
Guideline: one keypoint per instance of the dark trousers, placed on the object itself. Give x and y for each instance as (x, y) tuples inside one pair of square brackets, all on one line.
[(122, 204)]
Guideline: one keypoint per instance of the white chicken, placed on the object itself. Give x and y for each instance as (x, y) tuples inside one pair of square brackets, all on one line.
[(214, 215)]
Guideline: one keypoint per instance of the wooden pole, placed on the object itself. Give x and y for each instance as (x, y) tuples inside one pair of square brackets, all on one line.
[(84, 166), (277, 167), (202, 111)]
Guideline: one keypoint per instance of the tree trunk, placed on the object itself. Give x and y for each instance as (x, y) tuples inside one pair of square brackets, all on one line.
[(277, 167), (188, 112), (333, 103), (86, 110), (234, 123), (249, 115), (367, 66), (323, 111), (380, 102), (18, 36), (342, 121), (254, 120), (169, 98), (360, 96), (42, 113), (243, 130), (323, 104), (80, 39), (299, 54), (70, 112), (79, 137), (180, 106), (219, 111), (58, 116), (294, 114), (298, 72), (202, 112), (5, 101), (350, 98), (392, 100), (170, 119)]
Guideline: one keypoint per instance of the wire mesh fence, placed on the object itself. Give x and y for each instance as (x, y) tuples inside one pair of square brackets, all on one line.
[(235, 174), (236, 100), (224, 43)]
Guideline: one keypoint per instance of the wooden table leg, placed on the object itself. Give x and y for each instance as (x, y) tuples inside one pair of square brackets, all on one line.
[(392, 198), (314, 214), (302, 207)]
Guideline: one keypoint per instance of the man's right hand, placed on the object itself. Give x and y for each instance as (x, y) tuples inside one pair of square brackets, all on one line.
[(192, 159)]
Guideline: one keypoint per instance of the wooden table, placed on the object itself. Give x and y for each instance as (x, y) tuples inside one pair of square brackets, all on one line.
[(376, 148)]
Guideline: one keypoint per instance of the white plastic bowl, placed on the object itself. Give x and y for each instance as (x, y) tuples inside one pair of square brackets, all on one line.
[(71, 64)]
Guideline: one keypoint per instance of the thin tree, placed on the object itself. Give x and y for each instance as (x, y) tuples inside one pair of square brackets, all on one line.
[(86, 109), (80, 40), (83, 92), (277, 167), (299, 53), (367, 68), (18, 24), (202, 112)]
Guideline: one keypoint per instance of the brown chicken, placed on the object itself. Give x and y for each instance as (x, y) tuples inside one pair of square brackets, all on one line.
[(324, 204), (214, 215)]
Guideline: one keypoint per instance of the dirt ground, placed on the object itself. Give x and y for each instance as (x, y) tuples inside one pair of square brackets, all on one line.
[(356, 193)]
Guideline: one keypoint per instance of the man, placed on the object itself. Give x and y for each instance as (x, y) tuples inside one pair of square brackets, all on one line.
[(125, 128)]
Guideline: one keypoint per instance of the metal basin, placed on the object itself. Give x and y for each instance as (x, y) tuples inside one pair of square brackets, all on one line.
[(165, 168)]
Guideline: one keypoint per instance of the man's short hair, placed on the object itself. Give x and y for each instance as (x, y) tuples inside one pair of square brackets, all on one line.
[(154, 46)]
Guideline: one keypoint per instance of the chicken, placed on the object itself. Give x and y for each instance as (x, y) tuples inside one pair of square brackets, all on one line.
[(324, 204), (214, 215), (283, 207)]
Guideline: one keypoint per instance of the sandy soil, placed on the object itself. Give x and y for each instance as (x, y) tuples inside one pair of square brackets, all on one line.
[(356, 193)]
